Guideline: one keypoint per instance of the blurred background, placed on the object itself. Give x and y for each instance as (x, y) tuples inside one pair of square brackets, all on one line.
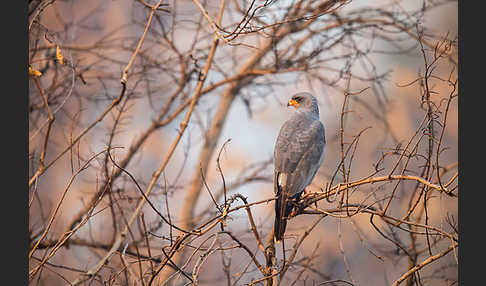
[(396, 59)]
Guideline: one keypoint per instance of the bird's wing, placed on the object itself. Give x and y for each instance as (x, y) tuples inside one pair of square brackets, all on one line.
[(298, 153)]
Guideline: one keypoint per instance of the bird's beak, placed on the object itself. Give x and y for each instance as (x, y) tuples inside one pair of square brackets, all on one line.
[(292, 103)]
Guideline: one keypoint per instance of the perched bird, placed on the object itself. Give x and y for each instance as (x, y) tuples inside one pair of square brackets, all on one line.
[(298, 154)]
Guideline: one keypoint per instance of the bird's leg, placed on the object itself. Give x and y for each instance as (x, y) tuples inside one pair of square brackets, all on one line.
[(315, 203), (294, 210), (296, 202), (307, 192)]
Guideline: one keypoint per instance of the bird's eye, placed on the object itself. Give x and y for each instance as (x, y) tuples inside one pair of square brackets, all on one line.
[(298, 98)]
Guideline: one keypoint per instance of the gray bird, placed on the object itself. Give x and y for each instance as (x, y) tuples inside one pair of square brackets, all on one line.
[(298, 154)]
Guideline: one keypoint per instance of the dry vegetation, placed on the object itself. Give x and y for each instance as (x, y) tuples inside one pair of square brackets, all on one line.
[(151, 132)]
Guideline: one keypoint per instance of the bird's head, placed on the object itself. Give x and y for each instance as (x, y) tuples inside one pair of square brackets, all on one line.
[(304, 102)]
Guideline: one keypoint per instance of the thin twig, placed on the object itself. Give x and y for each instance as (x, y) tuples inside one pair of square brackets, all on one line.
[(423, 263)]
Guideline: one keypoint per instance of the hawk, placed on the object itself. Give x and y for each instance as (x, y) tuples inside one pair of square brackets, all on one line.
[(298, 154)]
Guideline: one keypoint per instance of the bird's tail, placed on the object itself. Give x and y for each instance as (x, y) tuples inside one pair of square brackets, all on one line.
[(280, 221), (283, 208)]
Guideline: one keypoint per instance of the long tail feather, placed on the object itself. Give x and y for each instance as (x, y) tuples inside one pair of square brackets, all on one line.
[(283, 208), (280, 221)]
